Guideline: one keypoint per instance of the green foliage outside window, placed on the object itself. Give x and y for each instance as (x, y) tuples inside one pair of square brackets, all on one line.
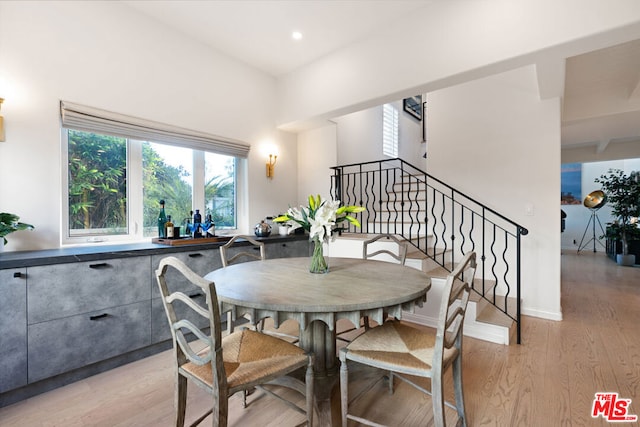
[(98, 181)]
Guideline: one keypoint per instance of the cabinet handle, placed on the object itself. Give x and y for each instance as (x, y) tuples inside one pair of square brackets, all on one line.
[(17, 274), (99, 316), (99, 265), (195, 255)]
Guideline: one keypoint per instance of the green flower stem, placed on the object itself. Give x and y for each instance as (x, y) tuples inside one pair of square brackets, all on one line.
[(318, 263)]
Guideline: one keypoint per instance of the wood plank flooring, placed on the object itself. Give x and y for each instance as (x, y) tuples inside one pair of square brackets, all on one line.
[(549, 380)]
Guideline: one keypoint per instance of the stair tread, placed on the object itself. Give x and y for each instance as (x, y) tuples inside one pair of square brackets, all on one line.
[(438, 272), (493, 316)]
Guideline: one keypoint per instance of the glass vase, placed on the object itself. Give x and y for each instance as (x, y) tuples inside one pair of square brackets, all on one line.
[(318, 263)]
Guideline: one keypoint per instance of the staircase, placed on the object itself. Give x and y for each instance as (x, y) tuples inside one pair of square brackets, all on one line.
[(441, 224)]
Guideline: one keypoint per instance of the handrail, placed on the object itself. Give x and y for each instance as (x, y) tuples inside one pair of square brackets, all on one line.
[(439, 220)]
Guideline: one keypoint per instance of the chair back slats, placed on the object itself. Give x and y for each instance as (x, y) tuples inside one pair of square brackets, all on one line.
[(400, 256), (179, 324), (455, 299), (180, 296), (252, 256), (188, 350)]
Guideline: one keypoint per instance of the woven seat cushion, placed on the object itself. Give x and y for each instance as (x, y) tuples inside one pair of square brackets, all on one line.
[(250, 356), (397, 347)]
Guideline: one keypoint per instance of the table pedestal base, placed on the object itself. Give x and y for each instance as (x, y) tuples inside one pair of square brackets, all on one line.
[(321, 340)]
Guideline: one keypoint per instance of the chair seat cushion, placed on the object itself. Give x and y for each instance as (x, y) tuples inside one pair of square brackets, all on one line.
[(250, 357), (398, 347)]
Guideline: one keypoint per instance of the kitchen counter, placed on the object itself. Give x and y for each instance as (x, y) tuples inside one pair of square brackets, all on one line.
[(95, 253)]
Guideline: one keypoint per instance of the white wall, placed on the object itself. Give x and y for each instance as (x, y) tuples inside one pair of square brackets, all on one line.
[(447, 43), (360, 137), (494, 140), (106, 55), (577, 223), (317, 150)]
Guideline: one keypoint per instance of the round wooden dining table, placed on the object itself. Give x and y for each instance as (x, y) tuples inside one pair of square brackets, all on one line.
[(283, 288)]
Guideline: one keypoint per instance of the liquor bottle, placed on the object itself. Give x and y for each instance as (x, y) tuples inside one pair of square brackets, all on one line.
[(169, 227), (162, 220), (211, 227), (197, 224)]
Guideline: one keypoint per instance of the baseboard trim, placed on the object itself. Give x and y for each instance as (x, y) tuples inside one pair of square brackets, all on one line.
[(473, 329)]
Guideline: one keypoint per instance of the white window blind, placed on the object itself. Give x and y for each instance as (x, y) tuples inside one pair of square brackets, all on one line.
[(89, 119), (390, 131)]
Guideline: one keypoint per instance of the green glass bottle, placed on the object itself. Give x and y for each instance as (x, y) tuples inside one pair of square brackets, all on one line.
[(162, 220)]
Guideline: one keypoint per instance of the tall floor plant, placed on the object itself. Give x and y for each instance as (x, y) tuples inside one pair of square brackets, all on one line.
[(623, 195)]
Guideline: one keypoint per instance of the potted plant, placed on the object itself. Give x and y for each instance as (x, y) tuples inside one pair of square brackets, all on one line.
[(623, 194), (10, 223)]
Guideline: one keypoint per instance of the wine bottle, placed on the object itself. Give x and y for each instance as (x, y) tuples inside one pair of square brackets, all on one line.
[(169, 227), (162, 220)]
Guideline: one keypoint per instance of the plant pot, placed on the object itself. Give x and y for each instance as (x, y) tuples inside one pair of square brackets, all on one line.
[(626, 260)]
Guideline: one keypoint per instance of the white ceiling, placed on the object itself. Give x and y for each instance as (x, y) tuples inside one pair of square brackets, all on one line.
[(258, 32), (601, 103)]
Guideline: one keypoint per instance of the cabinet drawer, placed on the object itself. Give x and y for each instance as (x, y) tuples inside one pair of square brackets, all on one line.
[(61, 345), (13, 321), (201, 262), (291, 249), (63, 290)]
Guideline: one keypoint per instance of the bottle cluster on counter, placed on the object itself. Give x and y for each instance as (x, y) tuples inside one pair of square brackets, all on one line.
[(194, 227)]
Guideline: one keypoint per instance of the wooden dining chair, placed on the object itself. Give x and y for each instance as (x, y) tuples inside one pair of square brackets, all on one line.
[(238, 362), (254, 252), (396, 252), (401, 349)]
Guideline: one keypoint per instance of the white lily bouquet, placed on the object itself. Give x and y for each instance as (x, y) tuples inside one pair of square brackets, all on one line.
[(320, 219)]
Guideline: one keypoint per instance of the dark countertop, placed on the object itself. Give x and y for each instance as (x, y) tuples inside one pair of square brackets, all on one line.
[(94, 253)]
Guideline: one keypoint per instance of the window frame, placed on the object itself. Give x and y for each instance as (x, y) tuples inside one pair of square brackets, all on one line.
[(135, 217)]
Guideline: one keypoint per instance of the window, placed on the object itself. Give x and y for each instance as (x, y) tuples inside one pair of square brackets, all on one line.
[(167, 174), (113, 185), (390, 130)]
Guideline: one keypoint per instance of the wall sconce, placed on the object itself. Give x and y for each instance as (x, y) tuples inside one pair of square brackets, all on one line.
[(1, 123), (270, 164)]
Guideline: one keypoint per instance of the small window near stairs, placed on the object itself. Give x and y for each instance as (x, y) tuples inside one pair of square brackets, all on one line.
[(390, 131)]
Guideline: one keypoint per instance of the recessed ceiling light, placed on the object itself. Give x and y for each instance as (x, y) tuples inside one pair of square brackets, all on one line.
[(296, 35)]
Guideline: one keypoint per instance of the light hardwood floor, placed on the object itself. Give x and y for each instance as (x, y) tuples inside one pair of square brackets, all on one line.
[(549, 380)]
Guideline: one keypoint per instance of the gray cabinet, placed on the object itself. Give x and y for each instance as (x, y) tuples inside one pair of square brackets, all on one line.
[(60, 345), (64, 317), (81, 313), (289, 249), (62, 290), (13, 338)]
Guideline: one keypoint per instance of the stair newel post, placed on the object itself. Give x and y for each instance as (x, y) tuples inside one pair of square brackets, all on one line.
[(520, 232)]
